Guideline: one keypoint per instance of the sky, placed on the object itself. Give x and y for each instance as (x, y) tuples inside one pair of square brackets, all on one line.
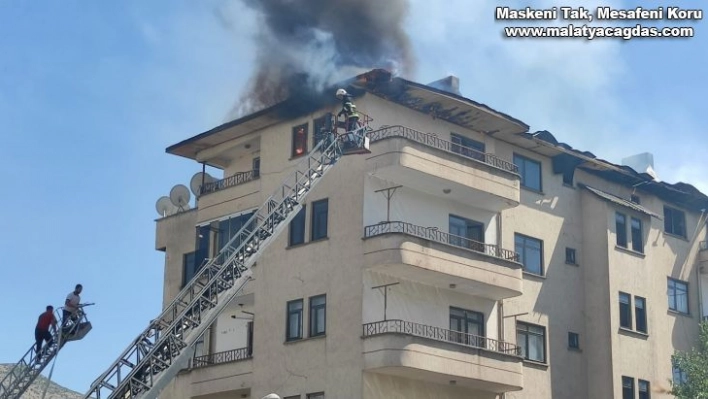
[(91, 94)]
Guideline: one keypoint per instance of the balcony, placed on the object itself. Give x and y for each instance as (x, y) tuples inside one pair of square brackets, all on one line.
[(433, 354), (424, 162), (441, 259), (238, 191), (222, 373)]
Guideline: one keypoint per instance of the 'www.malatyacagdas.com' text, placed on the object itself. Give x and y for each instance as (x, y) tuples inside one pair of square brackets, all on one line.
[(597, 32)]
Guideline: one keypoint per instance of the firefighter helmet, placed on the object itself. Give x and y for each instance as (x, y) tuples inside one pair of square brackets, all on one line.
[(341, 93)]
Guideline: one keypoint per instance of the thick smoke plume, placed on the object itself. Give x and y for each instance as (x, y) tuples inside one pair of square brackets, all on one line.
[(306, 45)]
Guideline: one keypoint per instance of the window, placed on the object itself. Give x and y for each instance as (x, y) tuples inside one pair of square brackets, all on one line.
[(467, 147), (570, 256), (228, 228), (674, 222), (625, 303), (319, 126), (679, 376), (467, 327), (530, 252), (573, 340), (256, 167), (466, 233), (319, 219), (621, 229), (636, 199), (292, 397), (297, 229), (637, 239), (627, 387), (530, 172), (640, 314), (643, 388), (189, 268), (678, 295), (532, 340), (294, 327), (299, 140), (318, 305), (318, 395)]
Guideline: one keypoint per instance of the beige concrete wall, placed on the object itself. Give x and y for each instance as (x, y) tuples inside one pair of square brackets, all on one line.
[(175, 235), (381, 386)]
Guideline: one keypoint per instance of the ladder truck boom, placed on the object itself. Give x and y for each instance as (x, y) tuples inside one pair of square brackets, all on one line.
[(156, 356)]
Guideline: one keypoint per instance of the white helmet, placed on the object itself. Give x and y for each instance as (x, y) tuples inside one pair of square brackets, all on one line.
[(341, 93)]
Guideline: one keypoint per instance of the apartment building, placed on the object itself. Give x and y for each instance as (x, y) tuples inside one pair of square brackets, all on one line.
[(464, 257)]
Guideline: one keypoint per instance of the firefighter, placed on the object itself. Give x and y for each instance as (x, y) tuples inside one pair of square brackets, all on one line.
[(351, 123)]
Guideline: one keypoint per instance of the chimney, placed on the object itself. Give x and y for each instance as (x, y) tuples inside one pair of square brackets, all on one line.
[(450, 84), (642, 163)]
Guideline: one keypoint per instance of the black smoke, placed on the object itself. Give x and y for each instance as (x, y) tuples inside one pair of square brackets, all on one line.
[(306, 45)]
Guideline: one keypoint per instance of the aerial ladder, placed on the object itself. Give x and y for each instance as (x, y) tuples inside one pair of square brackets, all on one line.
[(23, 374), (155, 357)]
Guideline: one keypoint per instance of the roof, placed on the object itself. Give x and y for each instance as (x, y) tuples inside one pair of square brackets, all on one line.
[(441, 104), (620, 201)]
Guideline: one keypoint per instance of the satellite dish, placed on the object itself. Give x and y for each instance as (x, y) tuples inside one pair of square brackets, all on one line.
[(196, 182), (165, 207), (179, 195)]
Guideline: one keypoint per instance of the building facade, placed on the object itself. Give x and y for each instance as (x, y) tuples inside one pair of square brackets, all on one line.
[(464, 257)]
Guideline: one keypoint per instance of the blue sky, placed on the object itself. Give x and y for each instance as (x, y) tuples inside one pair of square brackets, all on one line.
[(91, 93)]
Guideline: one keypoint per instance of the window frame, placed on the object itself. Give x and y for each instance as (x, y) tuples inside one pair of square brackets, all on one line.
[(526, 332), (629, 310), (637, 237), (571, 256), (316, 213), (185, 262), (671, 280), (626, 379), (644, 314), (256, 167), (670, 222), (297, 312), (621, 239), (522, 255), (313, 316), (295, 142), (647, 391), (573, 340), (461, 144), (316, 395), (301, 217), (520, 161)]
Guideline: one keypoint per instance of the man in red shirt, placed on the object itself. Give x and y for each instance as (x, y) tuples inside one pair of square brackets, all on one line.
[(41, 331)]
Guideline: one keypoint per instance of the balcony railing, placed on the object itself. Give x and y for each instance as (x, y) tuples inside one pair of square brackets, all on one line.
[(230, 356), (704, 245), (231, 181), (441, 335), (434, 234), (432, 140)]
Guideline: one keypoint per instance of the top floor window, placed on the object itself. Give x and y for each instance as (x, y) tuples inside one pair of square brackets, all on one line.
[(674, 222), (467, 147), (299, 140), (530, 172)]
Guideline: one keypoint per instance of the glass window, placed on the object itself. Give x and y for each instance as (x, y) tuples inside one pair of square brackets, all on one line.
[(256, 167), (532, 340), (573, 340), (530, 172), (189, 268), (625, 310), (570, 256), (318, 312), (466, 233), (297, 228), (627, 388), (678, 296), (467, 147), (294, 327), (530, 252), (640, 312), (319, 219), (467, 327), (674, 221), (679, 376), (637, 239), (621, 229), (318, 395), (644, 391), (299, 140)]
